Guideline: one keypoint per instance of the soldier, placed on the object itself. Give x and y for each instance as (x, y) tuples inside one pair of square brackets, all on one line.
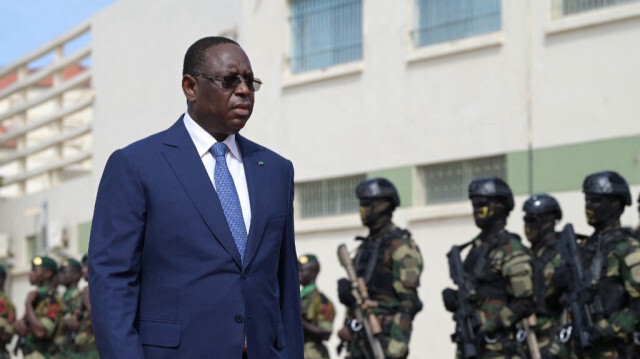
[(83, 345), (317, 310), (390, 263), (69, 276), (500, 266), (542, 212), (43, 312), (7, 317), (611, 255)]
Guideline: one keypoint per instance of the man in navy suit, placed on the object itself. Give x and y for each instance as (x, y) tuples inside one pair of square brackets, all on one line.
[(192, 251)]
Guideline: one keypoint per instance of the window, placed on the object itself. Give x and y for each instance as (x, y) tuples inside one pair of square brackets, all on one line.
[(449, 182), (445, 20), (328, 197), (33, 247), (576, 6), (324, 33)]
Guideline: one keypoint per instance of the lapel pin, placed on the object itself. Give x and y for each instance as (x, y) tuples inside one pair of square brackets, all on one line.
[(261, 163)]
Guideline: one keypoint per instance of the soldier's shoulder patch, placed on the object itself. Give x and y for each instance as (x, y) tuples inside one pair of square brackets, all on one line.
[(327, 311)]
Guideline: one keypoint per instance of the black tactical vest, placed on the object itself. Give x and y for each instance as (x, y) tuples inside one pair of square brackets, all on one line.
[(369, 263), (544, 305), (489, 284), (608, 293)]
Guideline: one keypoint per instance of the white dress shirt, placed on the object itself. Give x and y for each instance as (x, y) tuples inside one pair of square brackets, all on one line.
[(203, 141)]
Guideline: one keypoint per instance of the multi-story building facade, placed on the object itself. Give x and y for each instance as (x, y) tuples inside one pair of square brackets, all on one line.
[(428, 93)]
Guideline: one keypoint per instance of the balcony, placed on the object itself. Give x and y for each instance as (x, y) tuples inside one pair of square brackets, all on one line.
[(46, 114)]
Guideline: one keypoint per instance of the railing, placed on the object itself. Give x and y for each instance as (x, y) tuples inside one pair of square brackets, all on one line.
[(568, 7), (46, 113)]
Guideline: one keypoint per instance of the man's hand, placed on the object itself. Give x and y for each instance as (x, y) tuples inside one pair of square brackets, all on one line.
[(345, 334), (20, 327)]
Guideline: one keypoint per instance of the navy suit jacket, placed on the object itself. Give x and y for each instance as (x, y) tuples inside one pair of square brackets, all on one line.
[(165, 274)]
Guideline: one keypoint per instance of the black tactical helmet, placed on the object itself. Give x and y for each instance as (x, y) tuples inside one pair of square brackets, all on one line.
[(607, 183), (542, 203), (491, 187), (378, 188)]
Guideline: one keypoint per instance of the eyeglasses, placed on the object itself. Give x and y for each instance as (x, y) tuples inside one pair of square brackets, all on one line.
[(231, 82)]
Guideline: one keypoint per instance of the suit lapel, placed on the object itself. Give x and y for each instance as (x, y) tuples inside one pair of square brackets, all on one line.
[(183, 158), (257, 185)]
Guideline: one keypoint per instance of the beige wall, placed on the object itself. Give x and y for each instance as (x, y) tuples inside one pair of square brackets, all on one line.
[(397, 107)]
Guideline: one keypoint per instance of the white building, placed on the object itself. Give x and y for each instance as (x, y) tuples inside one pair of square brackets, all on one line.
[(428, 93)]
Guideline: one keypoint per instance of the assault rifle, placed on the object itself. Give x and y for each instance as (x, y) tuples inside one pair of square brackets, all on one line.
[(365, 320), (465, 336), (578, 297)]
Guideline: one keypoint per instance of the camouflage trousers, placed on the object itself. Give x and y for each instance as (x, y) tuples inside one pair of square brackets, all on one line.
[(315, 350), (608, 353), (396, 333), (550, 345), (504, 347), (39, 355)]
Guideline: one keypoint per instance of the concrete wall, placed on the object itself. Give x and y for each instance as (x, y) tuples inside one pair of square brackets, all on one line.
[(556, 82)]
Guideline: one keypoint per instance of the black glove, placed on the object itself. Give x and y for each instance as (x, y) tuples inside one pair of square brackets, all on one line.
[(450, 299), (562, 277), (344, 292), (595, 337)]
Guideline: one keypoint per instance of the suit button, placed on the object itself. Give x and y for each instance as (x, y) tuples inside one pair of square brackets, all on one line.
[(244, 275), (239, 318)]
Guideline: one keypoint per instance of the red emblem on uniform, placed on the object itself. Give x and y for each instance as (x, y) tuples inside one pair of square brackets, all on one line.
[(327, 312)]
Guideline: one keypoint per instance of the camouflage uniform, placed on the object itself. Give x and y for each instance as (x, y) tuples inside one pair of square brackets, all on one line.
[(49, 308), (72, 300), (541, 214), (616, 286), (393, 283), (84, 342), (547, 297), (319, 310), (7, 317), (501, 267)]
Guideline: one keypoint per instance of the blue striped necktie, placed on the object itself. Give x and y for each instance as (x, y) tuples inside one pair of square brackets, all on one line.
[(229, 199)]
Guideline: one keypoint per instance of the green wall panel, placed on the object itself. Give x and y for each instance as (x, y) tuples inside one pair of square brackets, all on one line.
[(564, 168), (84, 229), (403, 179)]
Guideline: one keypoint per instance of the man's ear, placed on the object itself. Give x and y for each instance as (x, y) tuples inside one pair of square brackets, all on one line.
[(49, 274), (189, 87)]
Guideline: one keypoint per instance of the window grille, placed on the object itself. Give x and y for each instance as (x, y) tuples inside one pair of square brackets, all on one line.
[(324, 33), (449, 182), (328, 197), (569, 7), (440, 21)]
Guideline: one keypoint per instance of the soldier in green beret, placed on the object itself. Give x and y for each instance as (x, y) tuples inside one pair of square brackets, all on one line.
[(83, 345), (43, 312), (317, 310), (69, 276), (7, 317)]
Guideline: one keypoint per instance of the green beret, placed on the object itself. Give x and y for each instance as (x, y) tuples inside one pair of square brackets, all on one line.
[(45, 262), (308, 258), (70, 262)]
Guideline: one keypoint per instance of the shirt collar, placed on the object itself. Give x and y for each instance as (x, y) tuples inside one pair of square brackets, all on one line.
[(203, 140)]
